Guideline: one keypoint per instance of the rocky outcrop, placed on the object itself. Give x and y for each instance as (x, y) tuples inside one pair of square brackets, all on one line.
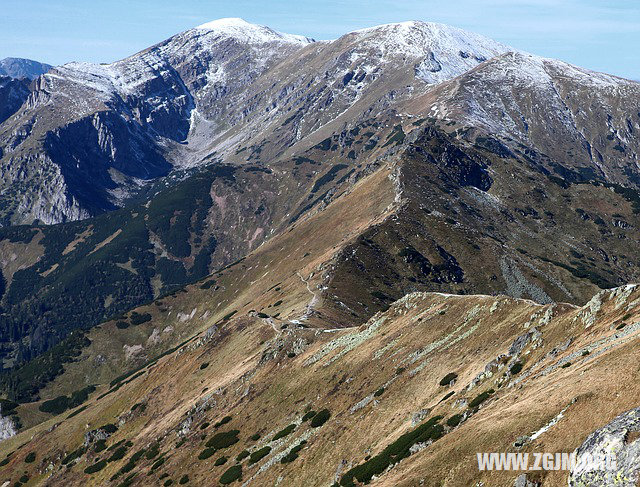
[(7, 427), (620, 439)]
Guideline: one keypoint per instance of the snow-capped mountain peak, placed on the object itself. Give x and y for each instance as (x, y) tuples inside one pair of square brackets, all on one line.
[(242, 30), (441, 51)]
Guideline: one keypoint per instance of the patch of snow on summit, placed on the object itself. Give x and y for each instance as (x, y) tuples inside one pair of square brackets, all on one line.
[(257, 34), (441, 52)]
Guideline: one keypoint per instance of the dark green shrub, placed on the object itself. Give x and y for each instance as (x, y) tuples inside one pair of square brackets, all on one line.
[(221, 461), (566, 364), (284, 432), (621, 326), (446, 380), (55, 406), (379, 392), (153, 451), (400, 370), (128, 481), (308, 416), (24, 479), (447, 396), (209, 284), (204, 365), (109, 428), (394, 452), (454, 420), (184, 479), (138, 319), (255, 437), (585, 353), (30, 458), (320, 418), (77, 411), (223, 440), (158, 463), (242, 455), (480, 398), (228, 316), (73, 455), (204, 425), (258, 455), (206, 453), (167, 483), (118, 454), (277, 303), (263, 315), (100, 445), (96, 467), (122, 325), (6, 406), (516, 368), (293, 454), (222, 422), (231, 475)]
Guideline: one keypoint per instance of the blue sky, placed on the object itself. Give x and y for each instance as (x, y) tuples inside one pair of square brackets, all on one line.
[(597, 34)]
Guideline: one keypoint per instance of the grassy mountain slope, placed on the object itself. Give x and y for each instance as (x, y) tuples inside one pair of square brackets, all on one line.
[(377, 381)]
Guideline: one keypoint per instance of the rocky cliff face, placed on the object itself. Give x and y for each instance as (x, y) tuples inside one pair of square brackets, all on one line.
[(13, 93)]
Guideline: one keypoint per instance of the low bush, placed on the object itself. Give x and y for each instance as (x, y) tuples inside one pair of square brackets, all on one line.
[(153, 451), (206, 453), (30, 458), (118, 454), (221, 461), (393, 453), (109, 428), (96, 467), (258, 455), (447, 396), (516, 368), (138, 319), (73, 455), (255, 437), (320, 418), (565, 365), (293, 454), (284, 432), (242, 455), (454, 420), (231, 475), (480, 398), (204, 365), (222, 422), (446, 380), (184, 479), (223, 440), (308, 416), (57, 405), (379, 392)]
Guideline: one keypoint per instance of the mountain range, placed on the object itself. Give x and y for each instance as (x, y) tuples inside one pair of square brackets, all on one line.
[(210, 243)]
